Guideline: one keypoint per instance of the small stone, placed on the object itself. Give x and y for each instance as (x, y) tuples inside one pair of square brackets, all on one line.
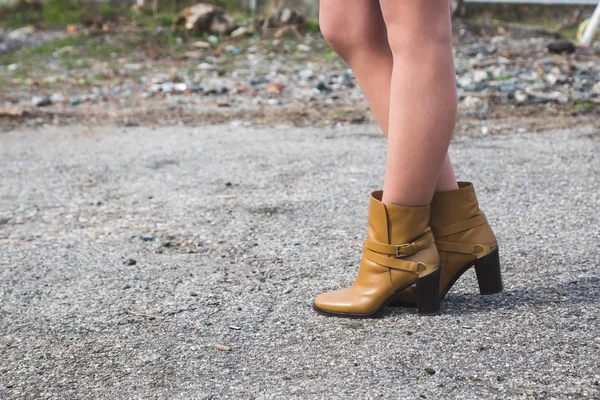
[(241, 31), (12, 67), (180, 87), (193, 348), (551, 79), (303, 47), (359, 119), (274, 88), (167, 87), (130, 261), (147, 238), (41, 101), (259, 81), (205, 66), (464, 81), (562, 46), (485, 130), (57, 98), (479, 76), (471, 101), (194, 55), (306, 74), (558, 291), (235, 328), (221, 347), (193, 294), (273, 102), (430, 371), (322, 87), (520, 96), (201, 45), (74, 100), (98, 94), (348, 79), (212, 39)]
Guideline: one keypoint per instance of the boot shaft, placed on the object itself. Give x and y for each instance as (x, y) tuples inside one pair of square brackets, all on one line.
[(454, 206), (393, 224)]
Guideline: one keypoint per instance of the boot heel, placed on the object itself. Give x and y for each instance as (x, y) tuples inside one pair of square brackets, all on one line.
[(488, 273), (428, 294)]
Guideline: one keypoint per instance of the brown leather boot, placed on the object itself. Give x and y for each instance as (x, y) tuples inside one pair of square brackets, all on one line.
[(399, 252), (464, 239)]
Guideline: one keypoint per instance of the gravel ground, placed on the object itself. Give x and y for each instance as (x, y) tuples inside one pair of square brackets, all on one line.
[(128, 255)]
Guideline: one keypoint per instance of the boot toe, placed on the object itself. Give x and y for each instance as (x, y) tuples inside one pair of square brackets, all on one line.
[(342, 302)]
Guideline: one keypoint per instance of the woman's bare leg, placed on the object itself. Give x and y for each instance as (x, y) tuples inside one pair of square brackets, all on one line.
[(356, 31), (422, 98)]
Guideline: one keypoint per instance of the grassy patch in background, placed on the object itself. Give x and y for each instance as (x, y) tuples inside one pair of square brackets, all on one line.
[(565, 19), (59, 13)]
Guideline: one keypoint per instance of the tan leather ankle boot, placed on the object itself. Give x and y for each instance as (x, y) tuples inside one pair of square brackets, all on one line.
[(399, 252), (464, 239)]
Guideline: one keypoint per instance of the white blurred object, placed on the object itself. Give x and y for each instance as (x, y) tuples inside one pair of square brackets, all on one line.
[(591, 28)]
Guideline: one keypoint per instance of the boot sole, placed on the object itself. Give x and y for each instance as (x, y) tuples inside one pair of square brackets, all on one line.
[(429, 303), (489, 277)]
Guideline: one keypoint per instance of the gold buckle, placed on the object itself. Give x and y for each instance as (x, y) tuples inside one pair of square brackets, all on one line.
[(400, 248)]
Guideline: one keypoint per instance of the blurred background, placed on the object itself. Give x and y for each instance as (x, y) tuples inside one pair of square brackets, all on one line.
[(264, 62)]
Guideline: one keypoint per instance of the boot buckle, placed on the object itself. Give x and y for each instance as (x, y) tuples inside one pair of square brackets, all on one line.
[(401, 250)]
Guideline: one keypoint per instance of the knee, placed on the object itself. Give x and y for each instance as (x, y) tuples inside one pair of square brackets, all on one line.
[(337, 39), (346, 42), (407, 39)]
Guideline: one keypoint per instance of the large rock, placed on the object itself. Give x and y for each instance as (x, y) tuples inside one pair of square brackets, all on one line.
[(204, 17)]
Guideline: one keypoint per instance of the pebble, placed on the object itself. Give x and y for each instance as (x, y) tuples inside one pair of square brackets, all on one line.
[(520, 96), (303, 47), (464, 81), (74, 100), (322, 87), (41, 101), (359, 119), (57, 98), (471, 102), (241, 31), (479, 76), (306, 74), (205, 66)]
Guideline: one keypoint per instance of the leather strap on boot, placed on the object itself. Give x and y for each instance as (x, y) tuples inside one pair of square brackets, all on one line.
[(459, 227), (380, 252), (478, 250)]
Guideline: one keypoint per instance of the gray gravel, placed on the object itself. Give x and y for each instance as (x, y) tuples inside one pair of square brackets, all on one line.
[(127, 255)]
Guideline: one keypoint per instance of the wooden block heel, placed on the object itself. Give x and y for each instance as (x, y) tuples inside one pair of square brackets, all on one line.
[(488, 273), (428, 294)]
